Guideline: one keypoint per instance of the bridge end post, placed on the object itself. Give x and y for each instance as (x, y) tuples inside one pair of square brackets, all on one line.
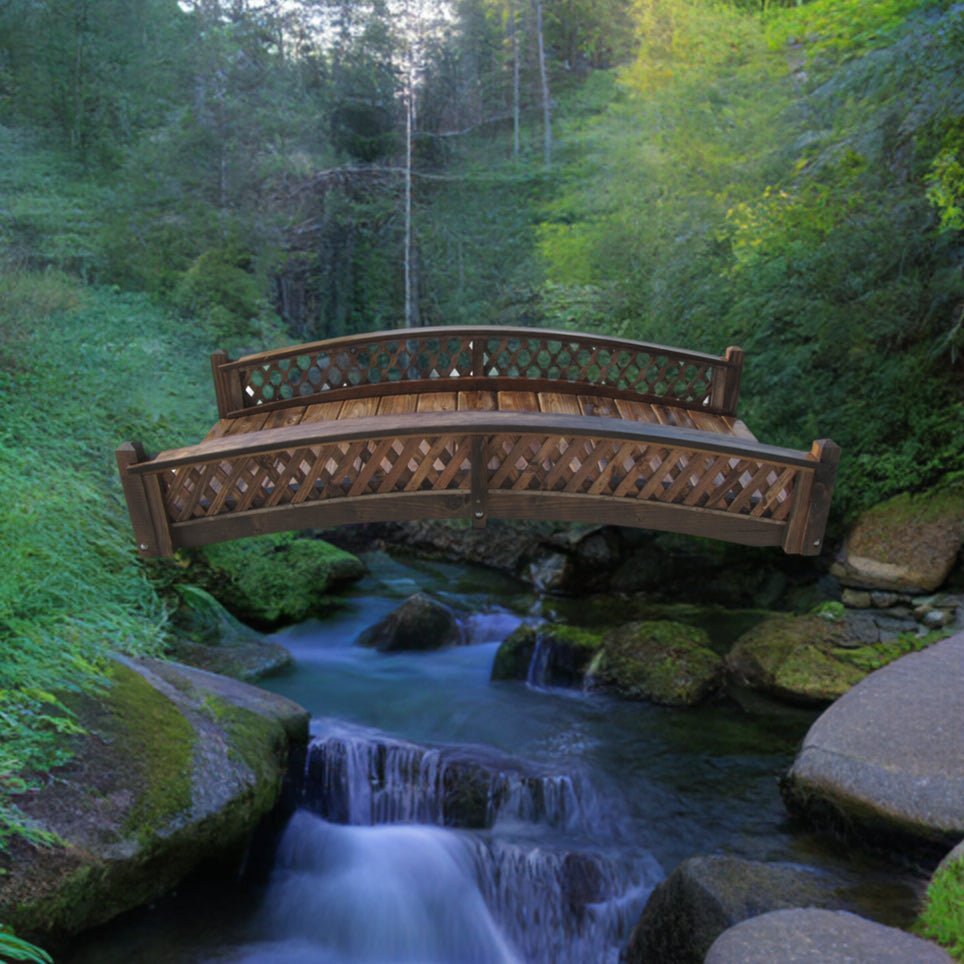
[(145, 504), (227, 385), (808, 522), (730, 394)]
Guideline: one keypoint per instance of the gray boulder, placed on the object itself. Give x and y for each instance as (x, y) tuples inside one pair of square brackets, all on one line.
[(705, 896), (420, 623), (177, 767), (820, 937), (887, 760)]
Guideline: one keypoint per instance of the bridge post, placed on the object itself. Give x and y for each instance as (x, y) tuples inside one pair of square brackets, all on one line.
[(479, 499), (145, 504), (227, 385), (726, 391), (808, 519)]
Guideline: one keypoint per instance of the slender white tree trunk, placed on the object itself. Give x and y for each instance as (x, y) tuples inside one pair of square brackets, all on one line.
[(514, 27), (544, 78), (410, 294)]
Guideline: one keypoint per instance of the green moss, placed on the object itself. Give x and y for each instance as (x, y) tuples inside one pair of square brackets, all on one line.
[(276, 579), (577, 636), (662, 661), (942, 918), (513, 656), (151, 734), (870, 658), (256, 741)]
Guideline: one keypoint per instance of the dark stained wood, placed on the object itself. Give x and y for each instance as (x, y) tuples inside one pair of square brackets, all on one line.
[(479, 423)]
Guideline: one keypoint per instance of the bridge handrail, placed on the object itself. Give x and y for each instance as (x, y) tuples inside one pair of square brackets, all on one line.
[(265, 441), (469, 358), (476, 464)]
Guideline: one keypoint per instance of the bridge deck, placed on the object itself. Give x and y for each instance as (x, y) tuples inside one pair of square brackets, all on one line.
[(549, 403), (479, 423)]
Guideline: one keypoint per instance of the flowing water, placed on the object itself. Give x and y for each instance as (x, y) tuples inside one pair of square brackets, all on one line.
[(446, 818)]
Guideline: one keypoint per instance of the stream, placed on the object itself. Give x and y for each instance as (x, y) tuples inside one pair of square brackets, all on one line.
[(447, 819)]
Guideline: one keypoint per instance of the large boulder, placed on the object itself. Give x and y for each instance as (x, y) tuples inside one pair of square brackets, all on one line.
[(274, 580), (207, 636), (797, 658), (906, 544), (177, 767), (886, 761), (661, 661), (705, 896), (420, 623), (815, 936)]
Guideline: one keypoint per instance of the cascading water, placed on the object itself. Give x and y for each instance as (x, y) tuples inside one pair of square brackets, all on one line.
[(446, 818)]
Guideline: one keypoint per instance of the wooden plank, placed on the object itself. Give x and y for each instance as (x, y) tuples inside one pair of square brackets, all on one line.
[(738, 428), (709, 423), (598, 406), (358, 408), (513, 401), (247, 423), (477, 401), (285, 416), (635, 411), (397, 404), (438, 402), (322, 411), (220, 429), (558, 403)]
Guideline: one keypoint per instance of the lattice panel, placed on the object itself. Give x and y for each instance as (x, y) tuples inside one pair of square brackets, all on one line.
[(645, 472), (371, 363), (411, 357), (316, 473), (580, 360)]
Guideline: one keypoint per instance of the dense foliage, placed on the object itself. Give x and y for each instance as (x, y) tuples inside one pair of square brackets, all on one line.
[(180, 175)]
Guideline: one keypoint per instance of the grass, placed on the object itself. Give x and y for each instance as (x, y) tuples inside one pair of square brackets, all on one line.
[(942, 918)]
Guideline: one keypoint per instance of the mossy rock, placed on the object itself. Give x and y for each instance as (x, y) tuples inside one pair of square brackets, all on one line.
[(942, 917), (176, 768), (812, 659), (274, 580), (793, 658), (566, 653), (908, 543), (662, 661), (208, 637)]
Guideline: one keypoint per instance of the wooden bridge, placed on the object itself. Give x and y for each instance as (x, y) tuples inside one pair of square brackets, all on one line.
[(479, 423)]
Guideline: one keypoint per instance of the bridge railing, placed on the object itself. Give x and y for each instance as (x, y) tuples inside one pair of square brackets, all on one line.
[(476, 466), (475, 358)]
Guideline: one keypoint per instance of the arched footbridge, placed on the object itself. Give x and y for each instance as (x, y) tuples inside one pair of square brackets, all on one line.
[(479, 423)]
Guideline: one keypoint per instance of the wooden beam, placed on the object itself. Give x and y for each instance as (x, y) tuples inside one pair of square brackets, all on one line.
[(827, 455), (144, 503)]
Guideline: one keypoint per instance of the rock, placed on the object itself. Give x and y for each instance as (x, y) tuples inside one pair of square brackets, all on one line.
[(562, 654), (665, 662), (796, 658), (907, 544), (935, 619), (856, 599), (884, 600), (209, 637), (420, 623), (942, 916), (705, 896), (551, 571), (177, 767), (815, 936), (886, 760), (275, 580)]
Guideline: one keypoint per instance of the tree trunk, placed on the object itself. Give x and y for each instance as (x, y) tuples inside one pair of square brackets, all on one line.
[(514, 27), (544, 78), (409, 138)]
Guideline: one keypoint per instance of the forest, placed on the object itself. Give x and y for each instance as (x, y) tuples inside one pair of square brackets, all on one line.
[(183, 175)]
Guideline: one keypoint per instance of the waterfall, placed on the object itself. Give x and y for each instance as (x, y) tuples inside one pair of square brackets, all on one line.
[(360, 777), (539, 663)]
